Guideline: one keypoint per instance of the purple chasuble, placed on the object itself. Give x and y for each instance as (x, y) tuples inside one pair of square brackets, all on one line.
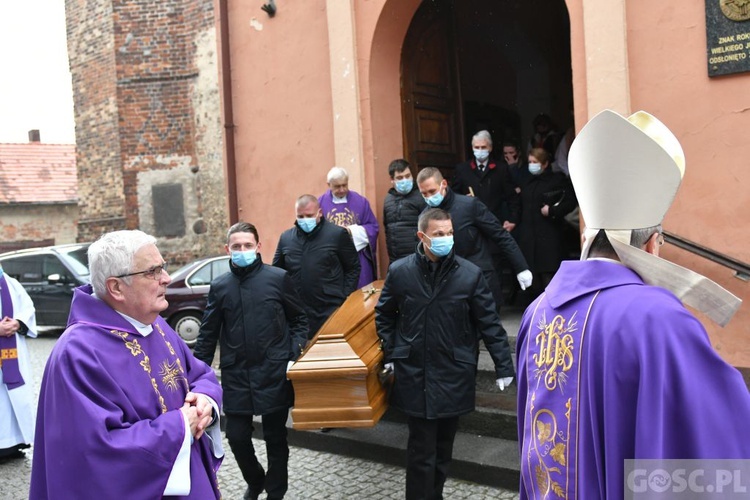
[(611, 369), (8, 346), (356, 210), (109, 423)]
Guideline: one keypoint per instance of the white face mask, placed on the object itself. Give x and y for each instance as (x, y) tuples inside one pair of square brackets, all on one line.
[(535, 168), (481, 154)]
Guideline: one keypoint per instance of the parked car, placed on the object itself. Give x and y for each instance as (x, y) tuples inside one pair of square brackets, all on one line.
[(49, 275), (187, 295)]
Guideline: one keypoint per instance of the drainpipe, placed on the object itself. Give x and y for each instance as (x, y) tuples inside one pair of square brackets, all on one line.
[(226, 84)]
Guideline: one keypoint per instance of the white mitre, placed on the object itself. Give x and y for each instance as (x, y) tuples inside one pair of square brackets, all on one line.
[(626, 173)]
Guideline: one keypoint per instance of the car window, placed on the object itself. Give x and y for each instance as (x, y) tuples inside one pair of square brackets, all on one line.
[(77, 258), (24, 269), (201, 277), (219, 267), (51, 265)]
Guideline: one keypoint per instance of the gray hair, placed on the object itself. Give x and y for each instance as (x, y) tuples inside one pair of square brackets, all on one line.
[(601, 247), (482, 134), (337, 173), (112, 255)]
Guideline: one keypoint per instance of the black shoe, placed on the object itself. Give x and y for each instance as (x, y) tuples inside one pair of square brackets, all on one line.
[(251, 494), (326, 430)]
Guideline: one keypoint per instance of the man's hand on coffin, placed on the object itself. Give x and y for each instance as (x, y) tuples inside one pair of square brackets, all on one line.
[(504, 382)]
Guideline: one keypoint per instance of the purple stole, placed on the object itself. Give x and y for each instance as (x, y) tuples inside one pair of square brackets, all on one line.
[(553, 365), (8, 347)]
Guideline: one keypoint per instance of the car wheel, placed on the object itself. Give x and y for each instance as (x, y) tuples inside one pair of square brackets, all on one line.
[(187, 325)]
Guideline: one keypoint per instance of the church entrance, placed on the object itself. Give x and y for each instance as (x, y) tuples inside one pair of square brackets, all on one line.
[(482, 64)]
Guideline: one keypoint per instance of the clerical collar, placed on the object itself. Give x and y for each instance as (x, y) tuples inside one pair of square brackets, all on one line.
[(142, 328), (338, 201)]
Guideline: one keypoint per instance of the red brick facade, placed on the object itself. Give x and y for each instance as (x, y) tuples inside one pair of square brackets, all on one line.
[(142, 106)]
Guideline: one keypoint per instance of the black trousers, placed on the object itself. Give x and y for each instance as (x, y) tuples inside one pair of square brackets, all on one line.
[(428, 456), (239, 434)]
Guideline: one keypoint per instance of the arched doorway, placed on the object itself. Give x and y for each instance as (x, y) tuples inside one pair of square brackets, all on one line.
[(483, 64)]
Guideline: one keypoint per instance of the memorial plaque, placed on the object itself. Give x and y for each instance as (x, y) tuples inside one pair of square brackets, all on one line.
[(728, 36)]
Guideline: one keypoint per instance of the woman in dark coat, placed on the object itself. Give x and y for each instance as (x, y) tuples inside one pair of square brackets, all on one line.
[(546, 198)]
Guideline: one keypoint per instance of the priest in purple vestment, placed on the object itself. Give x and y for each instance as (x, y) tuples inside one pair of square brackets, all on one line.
[(611, 365), (352, 211), (125, 410)]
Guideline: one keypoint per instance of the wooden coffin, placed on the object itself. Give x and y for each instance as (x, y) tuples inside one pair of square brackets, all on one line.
[(336, 379)]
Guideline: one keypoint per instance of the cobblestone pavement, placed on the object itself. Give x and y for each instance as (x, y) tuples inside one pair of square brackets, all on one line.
[(312, 474)]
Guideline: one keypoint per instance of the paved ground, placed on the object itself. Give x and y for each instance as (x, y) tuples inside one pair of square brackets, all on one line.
[(313, 475)]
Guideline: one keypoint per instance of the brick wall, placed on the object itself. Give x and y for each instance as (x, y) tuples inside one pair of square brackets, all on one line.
[(162, 79), (38, 223)]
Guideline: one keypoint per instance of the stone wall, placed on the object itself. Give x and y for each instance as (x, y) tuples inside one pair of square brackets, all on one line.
[(52, 224)]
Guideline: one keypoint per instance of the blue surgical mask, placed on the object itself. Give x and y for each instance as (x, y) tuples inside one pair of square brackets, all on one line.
[(404, 186), (535, 168), (307, 224), (440, 246), (435, 200), (244, 259), (481, 154)]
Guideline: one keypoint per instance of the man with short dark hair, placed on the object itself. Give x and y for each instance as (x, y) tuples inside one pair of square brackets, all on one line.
[(321, 260), (401, 210), (125, 409), (433, 309), (475, 228), (256, 315), (611, 366)]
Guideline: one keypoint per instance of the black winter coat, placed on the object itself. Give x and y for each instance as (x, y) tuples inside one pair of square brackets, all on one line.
[(259, 320), (323, 265), (473, 227), (400, 216), (541, 237), (430, 323), (494, 187)]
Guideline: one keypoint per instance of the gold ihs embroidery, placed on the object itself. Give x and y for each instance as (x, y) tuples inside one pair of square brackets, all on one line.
[(555, 356)]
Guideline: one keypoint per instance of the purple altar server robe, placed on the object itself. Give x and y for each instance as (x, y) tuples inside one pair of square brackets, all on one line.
[(356, 210), (612, 369), (108, 423)]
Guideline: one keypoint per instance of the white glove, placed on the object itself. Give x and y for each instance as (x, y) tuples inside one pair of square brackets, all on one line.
[(524, 279), (288, 367), (388, 366), (502, 383)]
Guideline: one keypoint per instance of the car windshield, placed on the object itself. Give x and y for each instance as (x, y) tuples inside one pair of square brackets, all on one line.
[(178, 271), (77, 259)]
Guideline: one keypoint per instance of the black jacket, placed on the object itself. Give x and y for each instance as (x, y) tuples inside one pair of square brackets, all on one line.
[(324, 266), (430, 323), (473, 227), (494, 187), (259, 319), (541, 237), (400, 216)]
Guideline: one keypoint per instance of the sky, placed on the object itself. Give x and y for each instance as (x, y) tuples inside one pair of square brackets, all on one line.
[(35, 81)]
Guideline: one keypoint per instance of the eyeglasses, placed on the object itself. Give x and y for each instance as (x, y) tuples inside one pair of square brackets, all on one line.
[(153, 273)]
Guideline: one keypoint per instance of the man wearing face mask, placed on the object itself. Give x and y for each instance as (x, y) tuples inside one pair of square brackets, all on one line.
[(475, 228), (257, 316), (321, 259), (433, 309), (488, 180), (401, 210)]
